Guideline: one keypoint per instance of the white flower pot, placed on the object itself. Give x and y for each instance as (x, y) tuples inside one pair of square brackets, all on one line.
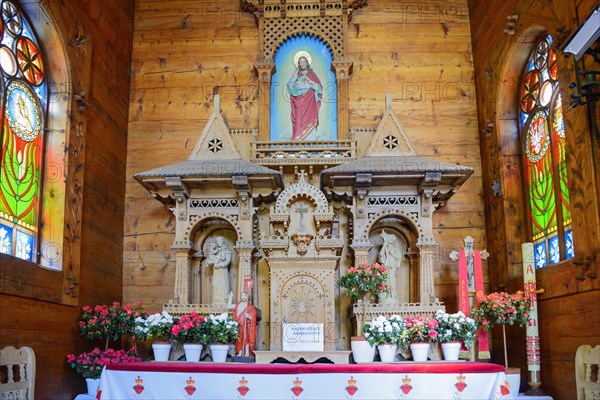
[(219, 352), (387, 352), (192, 351), (161, 351), (451, 350), (513, 377), (419, 351), (92, 386), (362, 351)]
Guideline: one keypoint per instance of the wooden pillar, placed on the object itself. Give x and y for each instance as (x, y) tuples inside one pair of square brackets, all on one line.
[(427, 247), (361, 250), (265, 70), (182, 290), (343, 69), (244, 249)]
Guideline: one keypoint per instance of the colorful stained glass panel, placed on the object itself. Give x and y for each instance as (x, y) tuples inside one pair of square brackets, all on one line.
[(539, 252), (24, 246), (553, 250), (6, 234), (570, 251)]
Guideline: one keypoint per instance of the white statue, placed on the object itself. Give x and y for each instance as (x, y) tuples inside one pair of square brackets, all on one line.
[(218, 256), (391, 256)]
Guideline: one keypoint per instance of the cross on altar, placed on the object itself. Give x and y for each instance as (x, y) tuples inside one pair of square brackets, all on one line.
[(470, 281), (301, 210), (302, 176)]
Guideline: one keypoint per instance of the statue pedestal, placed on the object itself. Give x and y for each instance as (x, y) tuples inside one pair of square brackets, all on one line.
[(337, 357)]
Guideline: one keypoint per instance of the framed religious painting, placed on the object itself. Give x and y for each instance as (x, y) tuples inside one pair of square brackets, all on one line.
[(303, 91)]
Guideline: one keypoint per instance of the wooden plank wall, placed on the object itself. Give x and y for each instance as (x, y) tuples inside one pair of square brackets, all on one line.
[(569, 308), (49, 327), (184, 51)]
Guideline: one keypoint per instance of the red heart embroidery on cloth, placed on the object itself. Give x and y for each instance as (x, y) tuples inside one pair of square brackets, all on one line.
[(351, 390), (297, 390), (460, 386), (406, 388), (243, 390), (138, 389), (190, 390)]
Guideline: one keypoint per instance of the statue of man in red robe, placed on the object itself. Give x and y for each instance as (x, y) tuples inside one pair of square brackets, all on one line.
[(244, 314), (306, 94)]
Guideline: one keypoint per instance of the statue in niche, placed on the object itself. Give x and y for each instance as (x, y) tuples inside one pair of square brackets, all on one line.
[(218, 256), (391, 256)]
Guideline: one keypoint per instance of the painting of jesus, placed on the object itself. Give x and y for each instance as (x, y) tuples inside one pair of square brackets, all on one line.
[(303, 92)]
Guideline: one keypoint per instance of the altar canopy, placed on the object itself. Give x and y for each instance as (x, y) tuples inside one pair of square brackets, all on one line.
[(431, 380)]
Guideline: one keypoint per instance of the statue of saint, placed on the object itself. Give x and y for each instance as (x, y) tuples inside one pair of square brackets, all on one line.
[(391, 256), (244, 314), (218, 256)]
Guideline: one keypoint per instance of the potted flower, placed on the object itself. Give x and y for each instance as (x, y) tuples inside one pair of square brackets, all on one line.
[(386, 334), (418, 335), (158, 327), (90, 365), (364, 279), (503, 309), (452, 330), (109, 322), (191, 331), (221, 331)]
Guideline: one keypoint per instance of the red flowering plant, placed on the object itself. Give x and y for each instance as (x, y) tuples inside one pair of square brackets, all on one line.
[(364, 279), (190, 328), (419, 330), (90, 365), (109, 322), (502, 309)]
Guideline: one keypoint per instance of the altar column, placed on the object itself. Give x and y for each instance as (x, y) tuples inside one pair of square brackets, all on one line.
[(264, 70), (182, 272), (427, 247), (361, 249), (342, 68), (245, 250)]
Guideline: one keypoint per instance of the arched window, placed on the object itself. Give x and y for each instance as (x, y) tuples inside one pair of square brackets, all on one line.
[(545, 172), (24, 95)]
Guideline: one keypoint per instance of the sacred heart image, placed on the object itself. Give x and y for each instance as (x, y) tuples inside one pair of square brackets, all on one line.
[(139, 387)]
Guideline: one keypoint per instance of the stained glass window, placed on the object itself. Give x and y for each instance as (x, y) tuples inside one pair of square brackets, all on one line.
[(24, 95), (543, 133)]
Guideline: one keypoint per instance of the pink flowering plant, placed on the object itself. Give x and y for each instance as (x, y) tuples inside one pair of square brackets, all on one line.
[(382, 330), (154, 326), (502, 309), (419, 330), (364, 279), (456, 327), (109, 322), (90, 365), (190, 328)]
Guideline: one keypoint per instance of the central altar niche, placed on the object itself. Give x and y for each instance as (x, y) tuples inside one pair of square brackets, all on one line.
[(302, 255)]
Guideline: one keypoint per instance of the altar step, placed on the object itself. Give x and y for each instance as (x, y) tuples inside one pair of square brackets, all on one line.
[(336, 357)]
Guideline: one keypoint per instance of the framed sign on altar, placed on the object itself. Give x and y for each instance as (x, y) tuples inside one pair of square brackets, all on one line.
[(303, 91)]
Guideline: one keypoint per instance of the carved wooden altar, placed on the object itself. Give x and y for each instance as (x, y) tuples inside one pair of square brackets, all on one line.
[(297, 214)]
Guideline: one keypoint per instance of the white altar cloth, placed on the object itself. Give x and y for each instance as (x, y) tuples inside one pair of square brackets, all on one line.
[(179, 380)]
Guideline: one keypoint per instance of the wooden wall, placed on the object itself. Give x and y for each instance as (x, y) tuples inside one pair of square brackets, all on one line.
[(34, 310), (184, 51), (569, 309)]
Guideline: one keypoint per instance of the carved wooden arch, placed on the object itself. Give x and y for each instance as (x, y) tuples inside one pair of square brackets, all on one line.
[(328, 29), (301, 191), (197, 220), (315, 35), (415, 225)]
